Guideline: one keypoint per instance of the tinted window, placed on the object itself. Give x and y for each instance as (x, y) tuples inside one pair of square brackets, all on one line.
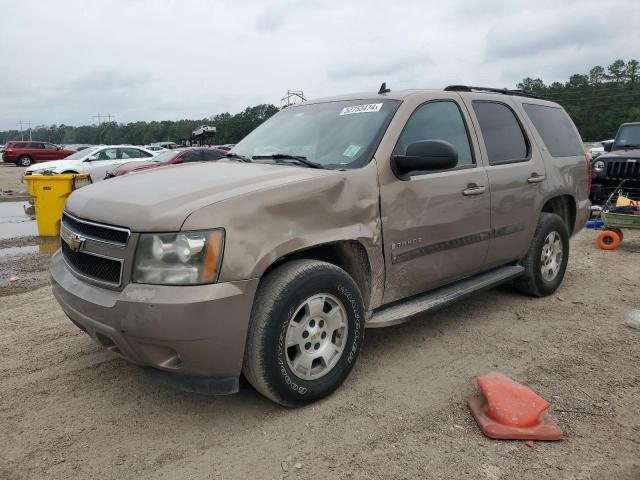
[(130, 153), (628, 137), (211, 155), (36, 145), (555, 129), (437, 121), (501, 131), (191, 157), (19, 145), (50, 146)]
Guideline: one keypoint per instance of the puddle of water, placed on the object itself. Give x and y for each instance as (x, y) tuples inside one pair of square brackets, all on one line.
[(14, 222), (19, 251)]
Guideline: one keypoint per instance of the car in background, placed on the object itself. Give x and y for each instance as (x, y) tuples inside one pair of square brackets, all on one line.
[(77, 146), (170, 157), (155, 148), (95, 161), (166, 145), (24, 153), (599, 148), (621, 161)]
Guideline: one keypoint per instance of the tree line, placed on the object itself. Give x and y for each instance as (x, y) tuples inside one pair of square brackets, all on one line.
[(230, 129), (598, 101)]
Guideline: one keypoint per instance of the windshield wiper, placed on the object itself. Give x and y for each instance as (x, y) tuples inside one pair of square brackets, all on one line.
[(630, 146), (286, 156), (242, 158)]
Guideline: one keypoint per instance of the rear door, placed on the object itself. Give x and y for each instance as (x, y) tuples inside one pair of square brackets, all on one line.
[(37, 151), (516, 173), (436, 224)]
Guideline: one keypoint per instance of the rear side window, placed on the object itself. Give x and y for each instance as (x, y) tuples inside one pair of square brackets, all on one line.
[(36, 145), (211, 155), (503, 136), (556, 130), (19, 145)]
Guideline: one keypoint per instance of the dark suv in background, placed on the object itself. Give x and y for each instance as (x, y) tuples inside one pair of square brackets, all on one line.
[(24, 154), (621, 161)]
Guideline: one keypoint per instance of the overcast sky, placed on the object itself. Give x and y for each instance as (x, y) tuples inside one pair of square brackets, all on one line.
[(65, 61)]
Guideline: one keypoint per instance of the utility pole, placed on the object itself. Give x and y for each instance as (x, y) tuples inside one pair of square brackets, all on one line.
[(292, 97), (21, 123), (108, 116)]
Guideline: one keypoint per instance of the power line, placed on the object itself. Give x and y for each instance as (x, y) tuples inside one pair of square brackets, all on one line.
[(21, 123)]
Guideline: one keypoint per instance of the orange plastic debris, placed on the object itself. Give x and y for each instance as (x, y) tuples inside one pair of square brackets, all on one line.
[(509, 410)]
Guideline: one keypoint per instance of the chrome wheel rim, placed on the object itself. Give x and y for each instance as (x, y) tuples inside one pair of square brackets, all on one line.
[(551, 257), (316, 336)]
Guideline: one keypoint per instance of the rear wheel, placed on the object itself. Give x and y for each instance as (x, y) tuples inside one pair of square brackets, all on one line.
[(608, 240), (307, 327), (24, 161), (546, 260)]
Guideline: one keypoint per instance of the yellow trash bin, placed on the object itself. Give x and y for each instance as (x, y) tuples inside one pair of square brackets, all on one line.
[(50, 193)]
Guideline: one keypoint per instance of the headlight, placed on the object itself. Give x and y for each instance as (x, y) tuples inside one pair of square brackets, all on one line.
[(183, 258), (598, 166)]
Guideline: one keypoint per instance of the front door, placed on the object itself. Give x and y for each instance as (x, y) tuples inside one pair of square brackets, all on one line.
[(436, 226), (100, 162)]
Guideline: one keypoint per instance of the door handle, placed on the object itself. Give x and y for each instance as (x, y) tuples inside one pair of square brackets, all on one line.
[(535, 178), (473, 190)]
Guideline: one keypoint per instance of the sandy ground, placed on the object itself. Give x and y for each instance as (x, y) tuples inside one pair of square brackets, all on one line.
[(69, 409)]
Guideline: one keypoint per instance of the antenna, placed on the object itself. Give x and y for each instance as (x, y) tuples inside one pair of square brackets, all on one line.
[(383, 89)]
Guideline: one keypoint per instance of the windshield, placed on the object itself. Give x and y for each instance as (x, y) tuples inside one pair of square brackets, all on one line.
[(81, 154), (629, 135), (167, 156), (341, 134)]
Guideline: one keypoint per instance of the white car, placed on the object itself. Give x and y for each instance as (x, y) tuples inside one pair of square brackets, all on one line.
[(95, 161), (155, 148)]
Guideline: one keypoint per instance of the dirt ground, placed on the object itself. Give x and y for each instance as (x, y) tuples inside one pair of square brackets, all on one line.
[(69, 409), (10, 176)]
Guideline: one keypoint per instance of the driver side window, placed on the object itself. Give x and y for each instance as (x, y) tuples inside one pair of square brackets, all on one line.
[(439, 120)]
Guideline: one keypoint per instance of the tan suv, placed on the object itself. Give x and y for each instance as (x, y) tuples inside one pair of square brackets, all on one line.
[(333, 216)]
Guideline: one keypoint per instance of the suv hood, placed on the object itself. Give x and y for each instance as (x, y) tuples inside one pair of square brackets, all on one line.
[(160, 199), (621, 154)]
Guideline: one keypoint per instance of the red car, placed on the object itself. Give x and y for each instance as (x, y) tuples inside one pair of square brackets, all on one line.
[(170, 157), (24, 154)]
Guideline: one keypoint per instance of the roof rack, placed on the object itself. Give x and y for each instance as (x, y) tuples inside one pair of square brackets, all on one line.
[(504, 91)]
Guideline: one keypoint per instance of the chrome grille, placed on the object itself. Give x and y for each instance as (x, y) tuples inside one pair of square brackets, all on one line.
[(100, 268), (106, 233), (96, 252)]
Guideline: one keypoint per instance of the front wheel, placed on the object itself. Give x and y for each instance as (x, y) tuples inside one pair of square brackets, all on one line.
[(546, 260), (307, 327)]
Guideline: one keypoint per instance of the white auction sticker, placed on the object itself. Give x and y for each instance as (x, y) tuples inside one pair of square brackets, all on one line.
[(370, 107)]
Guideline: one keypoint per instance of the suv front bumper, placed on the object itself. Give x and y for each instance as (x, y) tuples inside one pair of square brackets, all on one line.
[(197, 331)]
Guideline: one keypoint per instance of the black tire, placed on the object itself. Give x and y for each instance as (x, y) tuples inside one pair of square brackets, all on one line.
[(278, 297), (532, 281), (24, 161)]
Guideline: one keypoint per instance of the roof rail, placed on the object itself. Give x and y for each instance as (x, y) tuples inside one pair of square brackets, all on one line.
[(504, 91)]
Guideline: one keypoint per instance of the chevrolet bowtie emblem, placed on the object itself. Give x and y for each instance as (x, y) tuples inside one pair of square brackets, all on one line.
[(75, 242)]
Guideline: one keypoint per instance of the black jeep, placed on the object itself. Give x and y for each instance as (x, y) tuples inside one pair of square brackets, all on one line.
[(620, 161)]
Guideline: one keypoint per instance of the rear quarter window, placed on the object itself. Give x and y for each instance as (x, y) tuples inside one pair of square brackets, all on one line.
[(556, 130)]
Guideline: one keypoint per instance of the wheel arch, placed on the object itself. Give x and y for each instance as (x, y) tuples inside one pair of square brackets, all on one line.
[(350, 255), (565, 207)]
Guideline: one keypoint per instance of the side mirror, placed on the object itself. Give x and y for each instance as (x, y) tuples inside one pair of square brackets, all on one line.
[(91, 158), (58, 148), (424, 156), (607, 146)]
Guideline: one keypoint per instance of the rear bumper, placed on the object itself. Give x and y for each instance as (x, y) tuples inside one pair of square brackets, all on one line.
[(196, 331)]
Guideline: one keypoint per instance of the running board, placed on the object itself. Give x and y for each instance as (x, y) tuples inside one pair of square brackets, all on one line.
[(404, 310)]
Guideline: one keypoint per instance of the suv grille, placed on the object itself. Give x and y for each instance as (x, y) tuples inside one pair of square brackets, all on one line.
[(620, 169), (96, 267), (96, 231)]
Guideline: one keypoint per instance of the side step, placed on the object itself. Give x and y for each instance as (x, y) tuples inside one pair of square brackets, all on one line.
[(404, 310)]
